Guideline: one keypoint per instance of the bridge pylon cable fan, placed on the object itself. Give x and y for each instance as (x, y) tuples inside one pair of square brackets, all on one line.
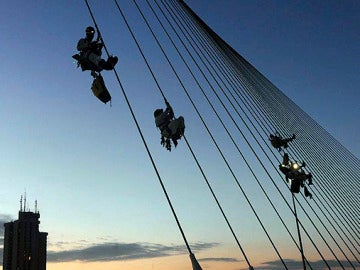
[(321, 220)]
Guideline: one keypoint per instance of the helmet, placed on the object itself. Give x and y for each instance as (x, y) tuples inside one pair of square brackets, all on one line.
[(157, 112), (90, 30)]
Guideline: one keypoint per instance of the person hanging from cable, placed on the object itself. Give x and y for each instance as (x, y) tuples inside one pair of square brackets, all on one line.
[(298, 180), (285, 166), (278, 142), (290, 168), (171, 128), (297, 176), (89, 57)]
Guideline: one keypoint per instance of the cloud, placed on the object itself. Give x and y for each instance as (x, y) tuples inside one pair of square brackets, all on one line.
[(219, 260), (62, 245), (294, 264), (3, 219), (108, 251), (201, 246), (334, 264), (121, 251)]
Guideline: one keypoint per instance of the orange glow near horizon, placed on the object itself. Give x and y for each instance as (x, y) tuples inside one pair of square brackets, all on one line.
[(180, 262)]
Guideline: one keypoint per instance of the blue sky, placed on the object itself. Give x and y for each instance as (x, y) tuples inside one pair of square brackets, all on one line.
[(85, 163)]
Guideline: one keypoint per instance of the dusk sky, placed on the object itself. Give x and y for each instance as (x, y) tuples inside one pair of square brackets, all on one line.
[(85, 164)]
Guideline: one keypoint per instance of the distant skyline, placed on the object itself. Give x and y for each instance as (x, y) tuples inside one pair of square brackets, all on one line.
[(85, 164)]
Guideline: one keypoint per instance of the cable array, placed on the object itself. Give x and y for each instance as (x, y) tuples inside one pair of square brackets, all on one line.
[(248, 108), (195, 264)]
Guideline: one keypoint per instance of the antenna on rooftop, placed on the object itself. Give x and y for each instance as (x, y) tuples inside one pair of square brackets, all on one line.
[(25, 202), (36, 207), (21, 198)]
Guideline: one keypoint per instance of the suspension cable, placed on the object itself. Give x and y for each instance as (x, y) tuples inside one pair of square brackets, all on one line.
[(143, 140)]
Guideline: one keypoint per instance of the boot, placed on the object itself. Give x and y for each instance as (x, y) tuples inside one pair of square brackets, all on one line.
[(112, 61), (109, 64), (307, 193)]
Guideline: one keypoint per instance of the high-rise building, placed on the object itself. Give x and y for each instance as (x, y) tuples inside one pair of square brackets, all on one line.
[(24, 244)]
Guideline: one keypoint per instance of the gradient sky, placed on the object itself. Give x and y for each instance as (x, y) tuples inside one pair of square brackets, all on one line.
[(85, 163)]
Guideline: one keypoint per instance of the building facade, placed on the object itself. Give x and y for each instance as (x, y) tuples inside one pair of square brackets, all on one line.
[(24, 245)]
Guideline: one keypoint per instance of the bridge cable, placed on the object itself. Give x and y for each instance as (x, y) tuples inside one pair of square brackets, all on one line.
[(321, 210), (237, 147), (143, 139), (218, 148), (259, 161), (190, 148)]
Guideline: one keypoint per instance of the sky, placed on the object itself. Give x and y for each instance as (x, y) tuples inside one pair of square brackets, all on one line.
[(85, 164)]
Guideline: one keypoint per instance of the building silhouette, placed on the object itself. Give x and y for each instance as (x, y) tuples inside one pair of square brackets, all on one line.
[(24, 245)]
